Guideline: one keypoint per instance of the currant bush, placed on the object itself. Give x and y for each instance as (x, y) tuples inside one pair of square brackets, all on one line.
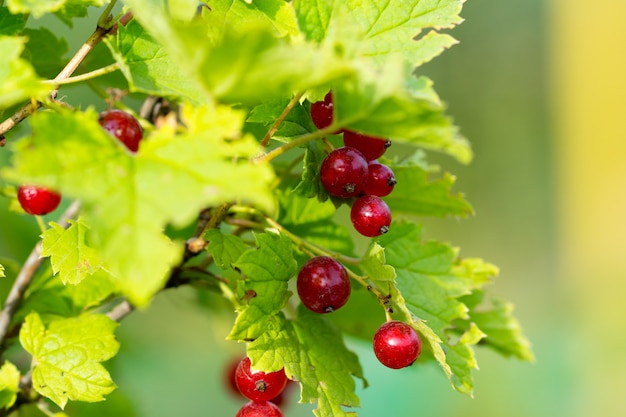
[(38, 200), (323, 284)]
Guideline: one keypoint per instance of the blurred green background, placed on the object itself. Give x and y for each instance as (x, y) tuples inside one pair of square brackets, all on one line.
[(539, 89)]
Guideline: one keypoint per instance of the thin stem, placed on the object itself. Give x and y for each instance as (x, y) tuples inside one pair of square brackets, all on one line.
[(105, 20), (120, 311), (33, 262), (41, 224), (30, 108), (281, 118), (86, 76), (266, 157)]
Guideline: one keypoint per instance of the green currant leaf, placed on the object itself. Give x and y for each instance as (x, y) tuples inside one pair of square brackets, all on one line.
[(504, 332), (415, 194), (224, 248), (312, 352), (390, 103), (297, 123), (9, 384), (2, 272), (67, 354), (310, 185), (429, 289), (373, 264), (277, 15), (129, 198), (45, 51), (147, 67), (11, 24), (38, 8), (18, 81), (313, 221), (383, 29), (267, 268), (69, 254)]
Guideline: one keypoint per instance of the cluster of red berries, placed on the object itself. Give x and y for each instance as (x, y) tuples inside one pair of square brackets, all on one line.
[(264, 390), (354, 171), (124, 126)]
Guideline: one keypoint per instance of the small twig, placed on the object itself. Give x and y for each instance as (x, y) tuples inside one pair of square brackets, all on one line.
[(120, 311), (86, 76), (65, 73), (207, 219), (33, 262), (281, 119)]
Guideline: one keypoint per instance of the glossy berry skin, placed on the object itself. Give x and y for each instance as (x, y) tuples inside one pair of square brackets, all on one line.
[(259, 409), (370, 146), (396, 344), (343, 172), (322, 112), (323, 285), (258, 385), (370, 216), (380, 180), (123, 126), (38, 200)]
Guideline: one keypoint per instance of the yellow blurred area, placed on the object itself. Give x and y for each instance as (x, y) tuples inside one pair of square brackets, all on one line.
[(588, 73)]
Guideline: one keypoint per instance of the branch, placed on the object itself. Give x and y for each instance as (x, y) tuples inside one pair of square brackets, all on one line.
[(33, 262), (65, 73)]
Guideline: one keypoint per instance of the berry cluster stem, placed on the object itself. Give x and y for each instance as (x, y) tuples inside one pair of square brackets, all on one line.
[(281, 118)]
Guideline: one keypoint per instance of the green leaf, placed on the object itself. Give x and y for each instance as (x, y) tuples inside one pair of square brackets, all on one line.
[(69, 254), (67, 355), (504, 332), (297, 123), (45, 51), (9, 384), (383, 29), (224, 248), (277, 15), (313, 353), (310, 185), (415, 194), (2, 272), (11, 24), (18, 81), (38, 8), (389, 102), (129, 198), (267, 269), (313, 221), (148, 68), (373, 264), (430, 286)]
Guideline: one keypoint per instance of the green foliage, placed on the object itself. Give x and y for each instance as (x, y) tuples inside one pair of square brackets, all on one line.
[(67, 355), (213, 201)]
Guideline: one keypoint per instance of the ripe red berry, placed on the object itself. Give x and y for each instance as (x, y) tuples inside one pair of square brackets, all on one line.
[(370, 216), (396, 344), (370, 146), (380, 180), (38, 200), (259, 409), (322, 112), (343, 172), (123, 126), (323, 285), (258, 385)]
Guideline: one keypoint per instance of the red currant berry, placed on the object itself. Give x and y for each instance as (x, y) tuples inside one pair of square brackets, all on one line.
[(123, 126), (37, 200), (259, 409), (322, 112), (343, 172), (258, 385), (396, 344), (323, 285), (370, 146), (370, 216), (380, 180)]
